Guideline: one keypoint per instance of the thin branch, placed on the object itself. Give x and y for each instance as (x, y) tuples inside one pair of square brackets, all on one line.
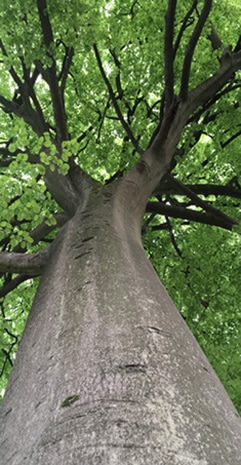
[(173, 240), (187, 21), (7, 358), (231, 139), (22, 106), (11, 69), (29, 85), (115, 103), (14, 262), (214, 38), (41, 231), (214, 99), (191, 47), (118, 77), (168, 51), (66, 67)]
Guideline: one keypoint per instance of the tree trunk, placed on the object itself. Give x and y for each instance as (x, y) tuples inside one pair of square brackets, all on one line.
[(107, 372)]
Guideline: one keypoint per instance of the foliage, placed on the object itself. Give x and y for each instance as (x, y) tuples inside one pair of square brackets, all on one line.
[(108, 60)]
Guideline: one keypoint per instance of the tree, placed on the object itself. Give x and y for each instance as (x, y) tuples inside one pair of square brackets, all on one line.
[(101, 107)]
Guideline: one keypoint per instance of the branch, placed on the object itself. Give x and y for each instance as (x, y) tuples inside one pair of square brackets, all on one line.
[(118, 77), (23, 109), (41, 231), (169, 52), (231, 139), (230, 63), (188, 214), (7, 359), (191, 47), (63, 190), (199, 202), (66, 66), (214, 38), (187, 21), (115, 103), (212, 189), (26, 90), (203, 189), (11, 69), (173, 240), (214, 99), (13, 262), (56, 97), (21, 105), (11, 285)]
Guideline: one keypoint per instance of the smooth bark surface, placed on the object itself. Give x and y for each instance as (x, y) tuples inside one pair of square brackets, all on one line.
[(107, 371)]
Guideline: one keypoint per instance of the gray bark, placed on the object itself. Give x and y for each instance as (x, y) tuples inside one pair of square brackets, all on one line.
[(24, 263), (107, 371)]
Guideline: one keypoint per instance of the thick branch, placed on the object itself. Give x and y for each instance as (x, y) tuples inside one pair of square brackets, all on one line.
[(188, 214), (230, 63), (24, 110), (168, 51), (41, 231), (13, 262), (56, 94), (191, 47), (199, 202)]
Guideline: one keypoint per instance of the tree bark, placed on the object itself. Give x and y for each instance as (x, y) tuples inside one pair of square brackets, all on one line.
[(107, 371)]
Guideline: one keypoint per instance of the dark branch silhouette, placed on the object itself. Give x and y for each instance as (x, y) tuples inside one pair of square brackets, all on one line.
[(169, 52), (191, 47), (56, 95), (187, 21), (115, 103), (175, 211)]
